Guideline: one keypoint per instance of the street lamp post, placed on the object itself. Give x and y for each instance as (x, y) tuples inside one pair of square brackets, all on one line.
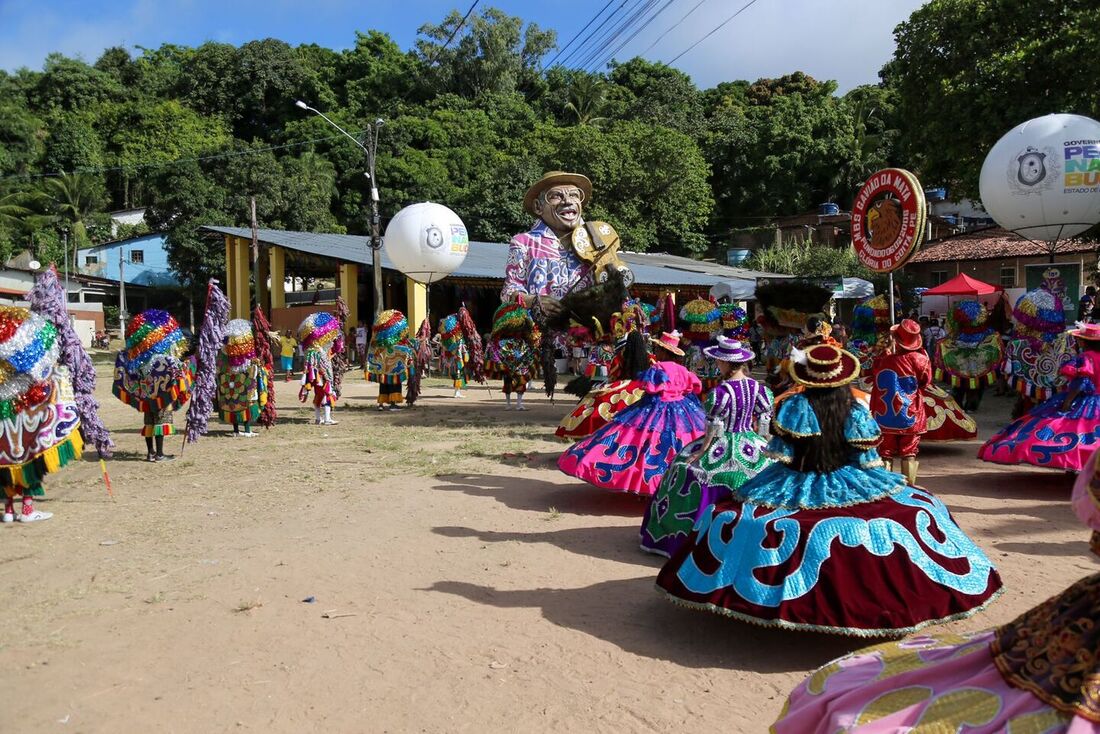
[(371, 149)]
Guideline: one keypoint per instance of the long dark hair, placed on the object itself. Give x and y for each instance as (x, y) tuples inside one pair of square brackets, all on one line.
[(634, 355), (829, 451)]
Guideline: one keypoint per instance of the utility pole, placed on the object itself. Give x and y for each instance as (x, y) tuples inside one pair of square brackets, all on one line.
[(255, 249), (122, 315), (375, 221), (65, 244)]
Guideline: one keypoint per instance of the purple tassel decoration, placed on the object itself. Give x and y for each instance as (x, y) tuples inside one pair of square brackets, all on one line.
[(211, 336), (48, 298), (339, 347), (261, 333)]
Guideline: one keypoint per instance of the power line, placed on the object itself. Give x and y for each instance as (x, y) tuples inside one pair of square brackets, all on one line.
[(577, 35), (178, 161), (672, 28), (613, 33), (454, 33), (714, 30), (631, 22), (632, 36), (580, 49)]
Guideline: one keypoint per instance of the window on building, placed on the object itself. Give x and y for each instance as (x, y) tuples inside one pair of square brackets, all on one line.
[(91, 259), (1008, 277), (137, 256), (939, 277)]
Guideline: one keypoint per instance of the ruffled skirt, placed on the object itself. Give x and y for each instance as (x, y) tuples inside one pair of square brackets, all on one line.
[(1040, 673), (884, 567), (947, 421), (597, 407), (633, 451), (687, 488), (1049, 437)]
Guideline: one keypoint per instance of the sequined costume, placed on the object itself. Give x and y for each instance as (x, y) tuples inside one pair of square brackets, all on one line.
[(736, 455), (970, 355), (41, 427), (319, 334), (242, 379), (152, 373), (454, 354), (1039, 673), (850, 550), (391, 359)]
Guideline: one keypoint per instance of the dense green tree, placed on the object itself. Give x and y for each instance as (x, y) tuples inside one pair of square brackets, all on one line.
[(967, 72), (22, 134), (73, 199), (657, 93), (70, 84)]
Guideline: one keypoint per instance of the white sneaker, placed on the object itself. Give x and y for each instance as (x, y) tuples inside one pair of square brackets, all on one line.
[(250, 434), (35, 516), (8, 517), (329, 422)]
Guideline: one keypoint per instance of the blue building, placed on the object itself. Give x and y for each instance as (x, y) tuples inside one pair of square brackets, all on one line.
[(144, 261)]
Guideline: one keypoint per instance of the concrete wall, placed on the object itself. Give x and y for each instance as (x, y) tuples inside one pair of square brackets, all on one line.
[(152, 271), (989, 271)]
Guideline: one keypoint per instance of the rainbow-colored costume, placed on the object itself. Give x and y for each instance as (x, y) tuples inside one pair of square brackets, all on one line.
[(455, 355), (152, 374), (318, 334), (391, 359)]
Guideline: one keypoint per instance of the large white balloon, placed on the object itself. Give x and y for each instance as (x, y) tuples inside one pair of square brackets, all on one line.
[(426, 242), (1042, 179)]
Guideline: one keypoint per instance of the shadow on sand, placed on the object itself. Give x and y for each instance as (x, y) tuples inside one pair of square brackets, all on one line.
[(536, 495), (630, 614), (612, 543)]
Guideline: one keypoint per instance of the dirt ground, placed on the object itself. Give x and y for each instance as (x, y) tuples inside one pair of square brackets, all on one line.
[(469, 585)]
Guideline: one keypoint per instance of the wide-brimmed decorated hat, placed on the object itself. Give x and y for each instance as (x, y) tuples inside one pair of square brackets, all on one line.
[(318, 329), (907, 334), (823, 365), (1088, 332), (390, 328), (512, 318), (552, 179), (669, 340), (150, 334), (701, 319), (729, 350)]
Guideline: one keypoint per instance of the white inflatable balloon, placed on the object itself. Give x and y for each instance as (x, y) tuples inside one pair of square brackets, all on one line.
[(426, 242), (1042, 179)]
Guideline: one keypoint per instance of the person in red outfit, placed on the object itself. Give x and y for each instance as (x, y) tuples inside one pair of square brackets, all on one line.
[(899, 376)]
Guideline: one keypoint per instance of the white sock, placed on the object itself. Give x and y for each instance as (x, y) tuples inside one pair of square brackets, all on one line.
[(328, 413), (317, 413), (519, 400)]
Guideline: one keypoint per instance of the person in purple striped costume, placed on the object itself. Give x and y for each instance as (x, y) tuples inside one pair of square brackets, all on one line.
[(739, 410)]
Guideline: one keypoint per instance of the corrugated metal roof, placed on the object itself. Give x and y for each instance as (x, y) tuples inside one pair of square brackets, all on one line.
[(487, 259), (991, 244)]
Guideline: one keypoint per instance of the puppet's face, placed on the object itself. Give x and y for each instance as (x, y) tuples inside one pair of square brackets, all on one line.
[(560, 207)]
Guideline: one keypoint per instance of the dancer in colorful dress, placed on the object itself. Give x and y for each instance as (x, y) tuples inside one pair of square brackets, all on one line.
[(826, 539), (1038, 673), (707, 470), (41, 426), (945, 420), (153, 375), (512, 351), (1061, 432), (634, 450), (970, 355), (242, 379), (320, 336), (1040, 345), (454, 354), (899, 377), (623, 388), (391, 359)]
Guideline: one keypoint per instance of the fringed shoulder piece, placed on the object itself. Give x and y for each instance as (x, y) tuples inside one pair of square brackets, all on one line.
[(795, 417), (860, 428)]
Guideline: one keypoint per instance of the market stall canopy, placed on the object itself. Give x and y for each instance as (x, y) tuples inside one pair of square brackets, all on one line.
[(963, 285), (856, 289)]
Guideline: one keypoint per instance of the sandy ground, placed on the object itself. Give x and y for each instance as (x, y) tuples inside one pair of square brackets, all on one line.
[(483, 590)]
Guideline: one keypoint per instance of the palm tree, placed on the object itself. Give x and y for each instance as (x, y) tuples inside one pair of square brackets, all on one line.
[(13, 210), (72, 198), (587, 99)]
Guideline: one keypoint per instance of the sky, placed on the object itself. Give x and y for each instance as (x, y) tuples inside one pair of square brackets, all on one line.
[(844, 40)]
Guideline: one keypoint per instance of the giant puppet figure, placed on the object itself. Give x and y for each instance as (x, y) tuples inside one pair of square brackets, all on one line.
[(566, 271)]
